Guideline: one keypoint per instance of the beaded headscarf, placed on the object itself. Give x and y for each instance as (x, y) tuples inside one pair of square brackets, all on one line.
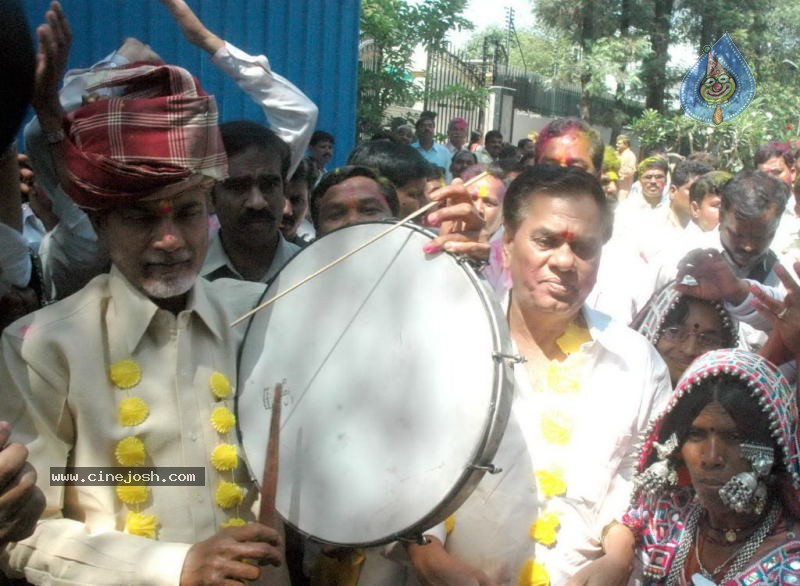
[(764, 382), (650, 321)]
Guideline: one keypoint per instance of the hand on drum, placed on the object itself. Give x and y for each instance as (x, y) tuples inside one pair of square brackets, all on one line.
[(435, 567), (460, 223), (783, 315), (221, 559)]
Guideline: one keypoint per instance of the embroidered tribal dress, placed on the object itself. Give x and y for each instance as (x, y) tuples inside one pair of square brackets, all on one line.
[(659, 525), (658, 520)]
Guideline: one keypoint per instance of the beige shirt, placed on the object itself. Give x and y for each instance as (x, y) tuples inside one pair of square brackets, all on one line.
[(56, 392)]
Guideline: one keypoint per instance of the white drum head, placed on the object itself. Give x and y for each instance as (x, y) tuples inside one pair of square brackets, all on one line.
[(392, 390)]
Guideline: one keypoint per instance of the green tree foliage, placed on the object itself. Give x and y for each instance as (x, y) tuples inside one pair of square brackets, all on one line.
[(769, 42), (391, 30), (546, 54)]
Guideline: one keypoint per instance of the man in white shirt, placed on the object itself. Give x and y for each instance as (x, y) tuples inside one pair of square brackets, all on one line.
[(779, 160), (457, 131), (627, 166), (564, 478), (133, 368), (752, 205), (71, 254)]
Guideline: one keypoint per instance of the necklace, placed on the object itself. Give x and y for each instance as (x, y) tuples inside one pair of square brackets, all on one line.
[(729, 536), (703, 569), (741, 556)]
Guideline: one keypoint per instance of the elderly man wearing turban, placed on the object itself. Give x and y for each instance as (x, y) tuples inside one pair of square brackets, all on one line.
[(135, 369)]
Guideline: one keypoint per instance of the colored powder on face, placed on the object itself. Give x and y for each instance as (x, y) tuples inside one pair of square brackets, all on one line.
[(164, 207)]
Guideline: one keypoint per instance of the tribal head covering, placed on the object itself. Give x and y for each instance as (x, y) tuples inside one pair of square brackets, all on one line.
[(764, 383), (650, 320), (160, 132)]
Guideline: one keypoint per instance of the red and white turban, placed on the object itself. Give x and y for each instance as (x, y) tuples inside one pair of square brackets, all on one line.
[(160, 131)]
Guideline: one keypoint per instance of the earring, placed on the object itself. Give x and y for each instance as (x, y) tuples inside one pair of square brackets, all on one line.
[(746, 492), (661, 474), (761, 458), (737, 494)]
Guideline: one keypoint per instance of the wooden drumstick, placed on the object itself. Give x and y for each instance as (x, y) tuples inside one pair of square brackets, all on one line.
[(269, 483), (347, 255)]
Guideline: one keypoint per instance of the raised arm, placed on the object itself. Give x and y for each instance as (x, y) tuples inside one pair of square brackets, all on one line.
[(289, 112)]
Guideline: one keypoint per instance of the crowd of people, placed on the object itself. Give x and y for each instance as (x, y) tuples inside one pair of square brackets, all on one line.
[(653, 308)]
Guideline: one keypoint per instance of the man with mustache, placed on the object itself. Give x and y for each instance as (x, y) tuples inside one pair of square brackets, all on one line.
[(249, 205), (750, 212), (135, 369)]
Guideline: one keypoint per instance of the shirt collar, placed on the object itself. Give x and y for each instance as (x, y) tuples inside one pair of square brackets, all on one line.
[(132, 312), (218, 264)]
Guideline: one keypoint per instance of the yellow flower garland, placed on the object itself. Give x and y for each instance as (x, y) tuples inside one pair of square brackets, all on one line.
[(224, 457), (551, 482), (125, 374), (130, 451), (233, 522), (534, 574), (557, 427), (132, 411), (450, 524), (229, 495), (545, 529), (132, 495), (142, 525), (222, 419), (219, 385)]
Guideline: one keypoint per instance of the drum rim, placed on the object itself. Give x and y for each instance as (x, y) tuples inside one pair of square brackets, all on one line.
[(493, 426)]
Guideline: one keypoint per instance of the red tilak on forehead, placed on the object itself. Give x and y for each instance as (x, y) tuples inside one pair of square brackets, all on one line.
[(568, 235), (164, 207)]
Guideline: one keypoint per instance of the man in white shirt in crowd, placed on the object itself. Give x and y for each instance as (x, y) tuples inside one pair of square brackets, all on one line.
[(457, 131), (627, 168), (752, 205), (144, 353), (779, 160), (563, 478)]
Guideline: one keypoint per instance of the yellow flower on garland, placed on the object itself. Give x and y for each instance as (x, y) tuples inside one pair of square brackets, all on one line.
[(219, 385), (125, 374), (563, 377), (130, 451), (551, 482), (132, 411), (229, 494), (557, 427), (233, 522), (573, 338), (142, 525), (131, 494), (450, 524), (545, 529), (534, 574), (222, 419), (224, 457)]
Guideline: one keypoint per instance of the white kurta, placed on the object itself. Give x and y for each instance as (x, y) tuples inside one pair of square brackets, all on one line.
[(56, 392), (624, 381)]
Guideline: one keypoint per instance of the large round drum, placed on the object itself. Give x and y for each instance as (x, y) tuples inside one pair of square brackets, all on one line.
[(396, 387)]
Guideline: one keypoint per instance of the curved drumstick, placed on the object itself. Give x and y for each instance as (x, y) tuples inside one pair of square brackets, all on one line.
[(269, 483), (347, 255)]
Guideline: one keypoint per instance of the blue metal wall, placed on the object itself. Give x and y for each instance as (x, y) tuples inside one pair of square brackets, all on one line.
[(313, 43)]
